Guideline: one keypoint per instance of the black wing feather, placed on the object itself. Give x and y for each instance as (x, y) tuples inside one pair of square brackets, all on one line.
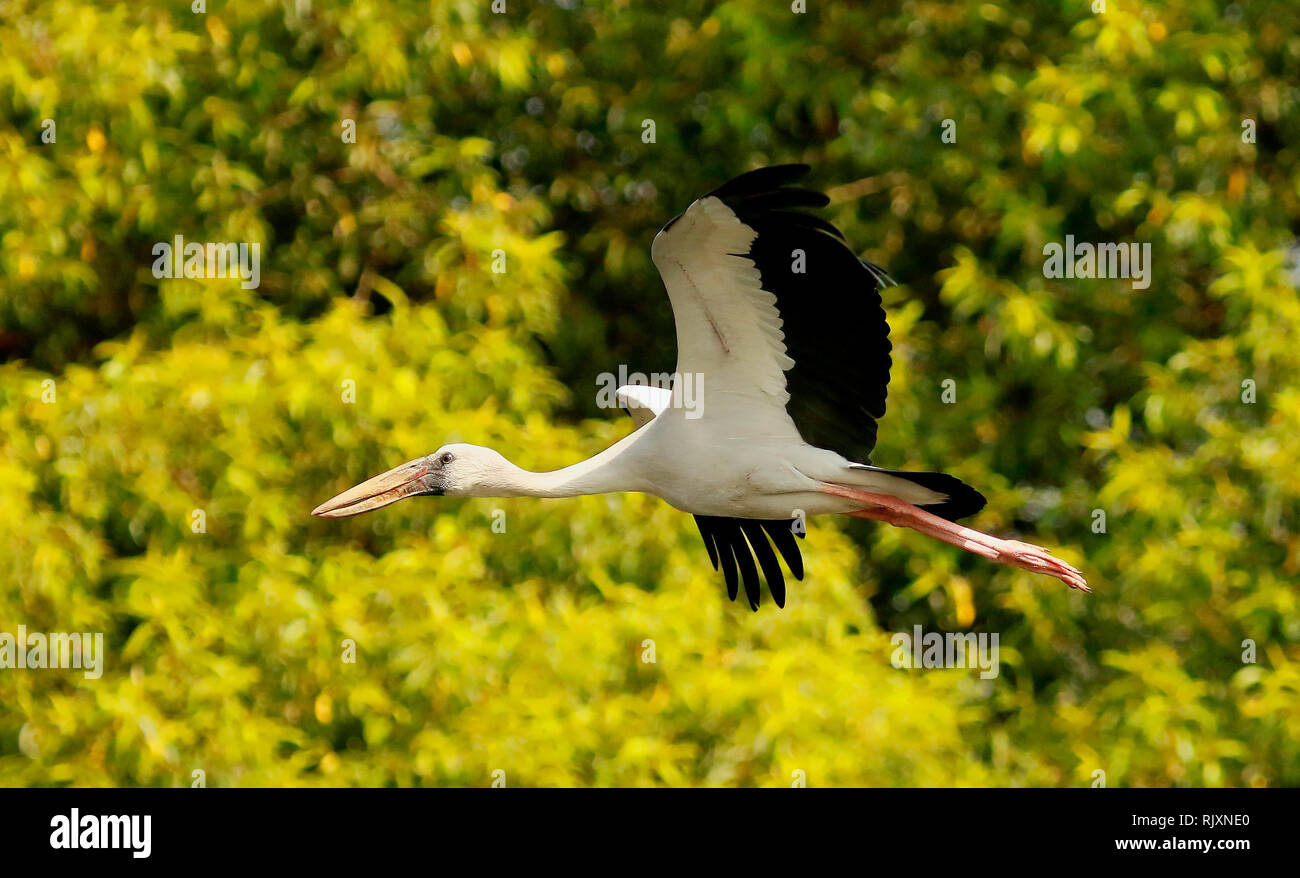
[(832, 316), (734, 543), (766, 559), (728, 560), (706, 533), (783, 199), (807, 221), (760, 181), (748, 572), (783, 538)]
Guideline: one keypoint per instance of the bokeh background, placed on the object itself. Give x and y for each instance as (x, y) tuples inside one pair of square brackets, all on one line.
[(523, 651)]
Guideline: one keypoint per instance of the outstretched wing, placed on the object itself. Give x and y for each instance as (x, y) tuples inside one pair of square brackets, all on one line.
[(786, 325), (781, 317)]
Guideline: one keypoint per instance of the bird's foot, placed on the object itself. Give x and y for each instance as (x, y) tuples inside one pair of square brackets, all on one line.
[(1038, 560)]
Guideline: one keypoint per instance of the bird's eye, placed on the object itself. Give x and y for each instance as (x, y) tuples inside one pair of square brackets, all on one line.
[(447, 457)]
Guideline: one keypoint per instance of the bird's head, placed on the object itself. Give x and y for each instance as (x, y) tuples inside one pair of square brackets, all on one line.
[(456, 470)]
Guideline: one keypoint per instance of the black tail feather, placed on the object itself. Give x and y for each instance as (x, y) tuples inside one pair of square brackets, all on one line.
[(963, 500)]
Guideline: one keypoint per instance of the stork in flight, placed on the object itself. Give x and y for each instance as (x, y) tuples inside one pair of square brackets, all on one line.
[(781, 326)]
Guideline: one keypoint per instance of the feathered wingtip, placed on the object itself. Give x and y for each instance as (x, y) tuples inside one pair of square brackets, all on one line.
[(766, 192), (734, 544), (761, 180)]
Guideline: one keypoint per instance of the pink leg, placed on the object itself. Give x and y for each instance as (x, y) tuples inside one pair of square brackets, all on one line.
[(900, 513)]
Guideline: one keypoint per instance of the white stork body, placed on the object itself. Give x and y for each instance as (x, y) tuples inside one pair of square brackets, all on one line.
[(779, 326), (760, 477), (705, 471)]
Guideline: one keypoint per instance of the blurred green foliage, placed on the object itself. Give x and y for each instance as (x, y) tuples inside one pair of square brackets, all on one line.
[(128, 402)]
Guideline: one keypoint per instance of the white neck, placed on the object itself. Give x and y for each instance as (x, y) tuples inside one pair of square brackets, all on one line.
[(608, 472)]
